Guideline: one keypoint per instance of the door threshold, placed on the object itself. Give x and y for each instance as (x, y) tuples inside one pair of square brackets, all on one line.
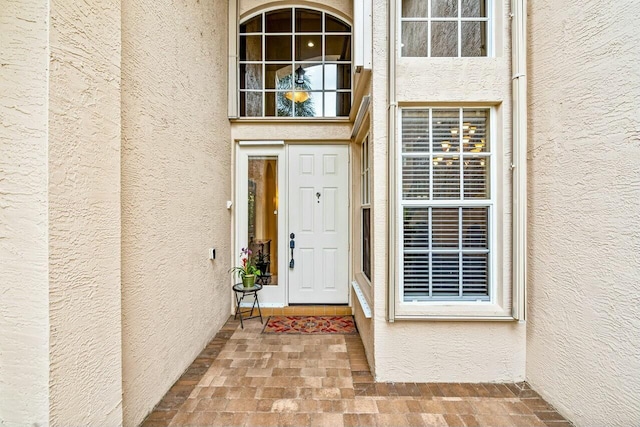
[(308, 310)]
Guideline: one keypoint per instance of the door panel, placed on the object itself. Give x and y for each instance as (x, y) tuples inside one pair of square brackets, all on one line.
[(318, 216)]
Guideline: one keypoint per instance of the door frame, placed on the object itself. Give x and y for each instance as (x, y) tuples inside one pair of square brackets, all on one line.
[(278, 296), (270, 296)]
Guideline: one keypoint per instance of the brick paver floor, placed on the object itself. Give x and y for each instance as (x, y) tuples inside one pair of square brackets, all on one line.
[(246, 378)]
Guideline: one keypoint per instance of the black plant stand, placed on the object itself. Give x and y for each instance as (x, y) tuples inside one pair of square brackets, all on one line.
[(240, 293)]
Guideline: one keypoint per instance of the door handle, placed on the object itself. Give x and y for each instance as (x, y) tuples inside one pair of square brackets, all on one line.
[(292, 244)]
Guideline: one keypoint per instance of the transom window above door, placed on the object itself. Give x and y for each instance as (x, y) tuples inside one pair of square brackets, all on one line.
[(294, 62)]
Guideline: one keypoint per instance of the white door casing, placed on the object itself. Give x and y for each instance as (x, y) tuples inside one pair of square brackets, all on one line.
[(318, 216)]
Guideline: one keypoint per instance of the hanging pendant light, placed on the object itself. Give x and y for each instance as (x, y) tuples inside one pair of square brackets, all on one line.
[(300, 95)]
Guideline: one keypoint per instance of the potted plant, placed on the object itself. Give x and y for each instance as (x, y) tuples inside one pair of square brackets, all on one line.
[(248, 270)]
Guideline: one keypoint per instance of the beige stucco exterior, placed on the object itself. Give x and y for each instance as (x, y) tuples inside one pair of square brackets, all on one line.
[(84, 213), (175, 183), (116, 163), (24, 305), (443, 351), (583, 346)]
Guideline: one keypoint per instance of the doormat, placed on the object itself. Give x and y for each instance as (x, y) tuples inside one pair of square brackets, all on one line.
[(304, 325)]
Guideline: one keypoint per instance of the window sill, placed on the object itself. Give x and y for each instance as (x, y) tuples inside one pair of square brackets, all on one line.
[(453, 311), (289, 120)]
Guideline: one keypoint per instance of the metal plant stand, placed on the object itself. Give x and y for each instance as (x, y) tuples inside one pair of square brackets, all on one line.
[(240, 293)]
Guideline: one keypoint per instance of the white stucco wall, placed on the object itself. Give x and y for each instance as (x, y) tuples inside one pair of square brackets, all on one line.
[(24, 305), (583, 344), (84, 213), (175, 183), (425, 351)]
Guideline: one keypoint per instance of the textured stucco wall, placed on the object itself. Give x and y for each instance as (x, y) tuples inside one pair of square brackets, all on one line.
[(583, 343), (24, 304), (344, 7), (444, 351), (84, 213), (175, 181)]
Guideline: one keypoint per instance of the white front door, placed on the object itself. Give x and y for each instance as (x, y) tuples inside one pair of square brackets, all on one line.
[(318, 220)]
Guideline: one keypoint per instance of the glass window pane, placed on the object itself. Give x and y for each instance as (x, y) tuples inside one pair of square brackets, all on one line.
[(284, 104), (278, 21), (474, 39), (415, 8), (416, 276), (278, 76), (250, 48), (476, 177), (366, 242), (299, 103), (263, 216), (416, 228), (311, 77), (415, 131), (444, 8), (343, 104), (278, 48), (475, 228), (335, 25), (475, 275), (446, 177), (308, 21), (253, 25), (309, 48), (337, 76), (445, 228), (446, 130), (251, 104), (338, 48), (415, 178), (444, 39), (475, 130), (474, 8), (250, 76), (270, 104), (445, 275), (415, 36)]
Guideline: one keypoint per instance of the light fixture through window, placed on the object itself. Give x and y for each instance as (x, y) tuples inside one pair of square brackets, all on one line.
[(300, 95)]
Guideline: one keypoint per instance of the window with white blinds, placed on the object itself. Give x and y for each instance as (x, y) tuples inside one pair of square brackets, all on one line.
[(446, 204)]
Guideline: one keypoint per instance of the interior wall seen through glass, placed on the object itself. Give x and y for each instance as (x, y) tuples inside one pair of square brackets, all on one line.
[(262, 224)]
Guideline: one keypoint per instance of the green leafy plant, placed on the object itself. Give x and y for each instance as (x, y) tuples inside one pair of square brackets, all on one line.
[(248, 266)]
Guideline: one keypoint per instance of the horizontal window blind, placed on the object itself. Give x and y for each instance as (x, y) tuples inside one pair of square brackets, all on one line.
[(446, 204)]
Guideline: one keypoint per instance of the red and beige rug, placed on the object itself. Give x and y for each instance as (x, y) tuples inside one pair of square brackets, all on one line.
[(310, 325)]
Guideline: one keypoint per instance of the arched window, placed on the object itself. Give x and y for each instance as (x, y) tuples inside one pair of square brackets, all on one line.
[(295, 62)]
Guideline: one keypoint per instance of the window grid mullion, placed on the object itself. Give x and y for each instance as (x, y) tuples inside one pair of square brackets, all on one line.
[(461, 152), (459, 25), (430, 118), (460, 293), (430, 234), (429, 37)]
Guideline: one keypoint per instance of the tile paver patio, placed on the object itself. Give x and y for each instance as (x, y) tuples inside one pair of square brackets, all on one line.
[(246, 378)]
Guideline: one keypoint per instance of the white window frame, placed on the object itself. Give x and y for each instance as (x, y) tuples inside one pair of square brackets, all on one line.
[(294, 63), (496, 307), (365, 201), (490, 31)]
